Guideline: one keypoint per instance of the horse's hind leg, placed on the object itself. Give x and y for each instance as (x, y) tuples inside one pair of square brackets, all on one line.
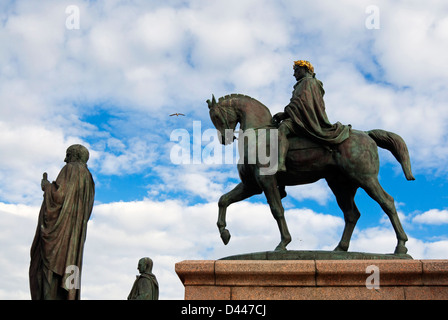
[(375, 191), (345, 196), (240, 192)]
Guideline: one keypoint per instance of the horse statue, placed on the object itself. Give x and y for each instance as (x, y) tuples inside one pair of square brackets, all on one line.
[(346, 167)]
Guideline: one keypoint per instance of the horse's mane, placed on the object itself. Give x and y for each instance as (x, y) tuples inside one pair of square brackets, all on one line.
[(240, 96)]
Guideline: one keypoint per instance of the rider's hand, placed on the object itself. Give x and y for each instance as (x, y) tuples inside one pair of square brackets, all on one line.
[(44, 181), (278, 117)]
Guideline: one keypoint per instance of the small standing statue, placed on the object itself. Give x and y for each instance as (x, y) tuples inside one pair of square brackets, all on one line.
[(145, 286), (57, 249)]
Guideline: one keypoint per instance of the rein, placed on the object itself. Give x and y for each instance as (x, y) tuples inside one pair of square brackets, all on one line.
[(222, 115)]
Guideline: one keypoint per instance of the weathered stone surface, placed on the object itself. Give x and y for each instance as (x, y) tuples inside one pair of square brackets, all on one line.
[(196, 272), (313, 279), (265, 273), (353, 272)]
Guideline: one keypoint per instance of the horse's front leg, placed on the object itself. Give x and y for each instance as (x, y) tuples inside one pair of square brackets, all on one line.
[(269, 185), (225, 234), (240, 192)]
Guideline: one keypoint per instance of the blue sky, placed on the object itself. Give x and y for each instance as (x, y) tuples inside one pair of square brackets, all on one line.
[(112, 83)]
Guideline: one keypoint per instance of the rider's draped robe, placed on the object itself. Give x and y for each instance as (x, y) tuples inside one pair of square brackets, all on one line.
[(145, 287), (61, 232), (307, 113)]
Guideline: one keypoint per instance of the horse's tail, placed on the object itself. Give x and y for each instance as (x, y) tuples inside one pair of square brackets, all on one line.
[(396, 145)]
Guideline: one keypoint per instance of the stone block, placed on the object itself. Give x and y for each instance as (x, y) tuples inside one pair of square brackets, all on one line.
[(354, 272), (313, 279), (265, 273)]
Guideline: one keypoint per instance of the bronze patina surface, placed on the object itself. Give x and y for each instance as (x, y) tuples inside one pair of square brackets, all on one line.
[(315, 255)]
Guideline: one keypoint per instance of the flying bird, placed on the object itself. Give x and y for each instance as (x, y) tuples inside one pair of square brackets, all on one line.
[(177, 114)]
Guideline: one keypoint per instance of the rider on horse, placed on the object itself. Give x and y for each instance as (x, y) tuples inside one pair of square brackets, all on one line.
[(305, 114)]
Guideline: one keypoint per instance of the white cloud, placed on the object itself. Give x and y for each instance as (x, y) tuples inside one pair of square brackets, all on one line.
[(141, 61), (171, 231), (383, 240), (420, 42), (52, 76), (28, 151), (433, 216), (121, 233), (318, 191), (375, 240), (313, 230), (18, 228), (420, 249), (198, 180), (138, 156)]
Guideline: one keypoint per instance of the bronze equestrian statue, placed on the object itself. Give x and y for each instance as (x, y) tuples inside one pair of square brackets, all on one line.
[(315, 149)]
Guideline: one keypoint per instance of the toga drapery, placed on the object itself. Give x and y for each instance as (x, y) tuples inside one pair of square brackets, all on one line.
[(307, 113), (145, 287), (61, 233)]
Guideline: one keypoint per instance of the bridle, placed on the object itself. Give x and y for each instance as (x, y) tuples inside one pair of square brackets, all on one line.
[(222, 112)]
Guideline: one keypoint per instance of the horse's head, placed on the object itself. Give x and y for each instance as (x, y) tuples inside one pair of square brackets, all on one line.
[(224, 119)]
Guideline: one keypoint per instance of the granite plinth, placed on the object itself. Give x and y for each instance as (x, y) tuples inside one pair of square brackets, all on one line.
[(399, 279)]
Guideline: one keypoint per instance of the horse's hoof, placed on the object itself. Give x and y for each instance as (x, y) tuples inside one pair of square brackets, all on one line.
[(400, 249), (225, 236), (280, 247), (282, 191), (340, 249)]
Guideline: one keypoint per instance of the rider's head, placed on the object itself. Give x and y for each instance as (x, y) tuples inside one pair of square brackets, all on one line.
[(302, 68), (145, 265), (77, 153)]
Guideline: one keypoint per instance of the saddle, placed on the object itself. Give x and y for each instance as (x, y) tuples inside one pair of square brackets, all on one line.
[(303, 143), (300, 143)]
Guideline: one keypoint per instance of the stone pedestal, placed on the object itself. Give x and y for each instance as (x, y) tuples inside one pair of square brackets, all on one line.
[(314, 279)]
